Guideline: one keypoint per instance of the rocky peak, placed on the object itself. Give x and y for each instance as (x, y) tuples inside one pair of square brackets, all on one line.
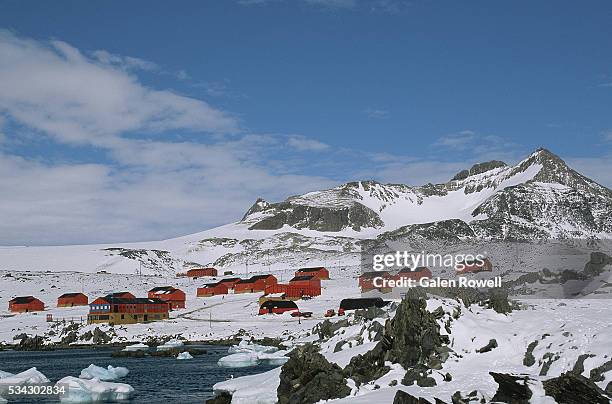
[(258, 206)]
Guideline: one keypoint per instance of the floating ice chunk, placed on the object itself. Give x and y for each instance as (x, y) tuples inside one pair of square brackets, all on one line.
[(94, 390), (239, 360), (184, 355), (30, 376), (245, 357), (173, 343), (5, 374), (104, 374), (275, 359), (136, 347), (245, 346)]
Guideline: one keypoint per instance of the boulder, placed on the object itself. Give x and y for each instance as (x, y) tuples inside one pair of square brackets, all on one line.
[(492, 344), (511, 389), (308, 377), (100, 337), (401, 397), (572, 388)]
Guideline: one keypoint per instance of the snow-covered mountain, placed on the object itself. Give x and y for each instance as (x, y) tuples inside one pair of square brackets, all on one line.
[(540, 197)]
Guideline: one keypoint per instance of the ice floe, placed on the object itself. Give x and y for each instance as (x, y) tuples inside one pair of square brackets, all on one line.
[(94, 390), (173, 343), (104, 374), (247, 354), (30, 376), (136, 347), (184, 355)]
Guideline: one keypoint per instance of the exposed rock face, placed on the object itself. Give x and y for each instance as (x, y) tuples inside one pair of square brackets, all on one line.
[(322, 218), (308, 377), (479, 169), (529, 359), (511, 389), (572, 388), (411, 338)]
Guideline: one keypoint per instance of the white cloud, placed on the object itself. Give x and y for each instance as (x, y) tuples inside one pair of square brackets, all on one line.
[(54, 88), (374, 113), (306, 144), (124, 62)]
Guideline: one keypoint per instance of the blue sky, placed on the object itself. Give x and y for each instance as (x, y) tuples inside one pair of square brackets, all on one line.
[(152, 119)]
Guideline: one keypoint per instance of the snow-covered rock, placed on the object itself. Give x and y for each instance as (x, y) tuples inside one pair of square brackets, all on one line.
[(184, 355), (104, 374), (94, 390)]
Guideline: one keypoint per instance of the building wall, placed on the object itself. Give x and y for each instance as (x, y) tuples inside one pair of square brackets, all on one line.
[(28, 307), (125, 318), (72, 301)]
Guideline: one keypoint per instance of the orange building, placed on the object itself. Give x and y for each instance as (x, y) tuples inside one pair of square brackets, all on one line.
[(212, 289), (256, 283), (25, 304), (366, 280), (199, 272), (320, 272), (175, 297), (72, 299)]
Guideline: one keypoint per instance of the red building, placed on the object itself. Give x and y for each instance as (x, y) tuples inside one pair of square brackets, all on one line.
[(475, 266), (72, 299), (123, 295), (199, 272), (25, 304), (117, 310), (175, 297), (416, 274), (298, 287), (277, 307), (229, 282), (320, 272), (366, 280), (212, 289), (256, 283)]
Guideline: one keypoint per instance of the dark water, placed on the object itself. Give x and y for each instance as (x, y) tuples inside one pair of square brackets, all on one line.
[(155, 379)]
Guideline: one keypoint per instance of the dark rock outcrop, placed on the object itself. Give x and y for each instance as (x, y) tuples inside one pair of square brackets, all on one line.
[(529, 359), (412, 339), (511, 389), (492, 344), (308, 377), (401, 397), (572, 388), (322, 218), (35, 343), (478, 169), (221, 398), (100, 337)]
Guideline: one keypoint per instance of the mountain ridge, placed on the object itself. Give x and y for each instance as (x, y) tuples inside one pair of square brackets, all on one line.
[(540, 197)]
